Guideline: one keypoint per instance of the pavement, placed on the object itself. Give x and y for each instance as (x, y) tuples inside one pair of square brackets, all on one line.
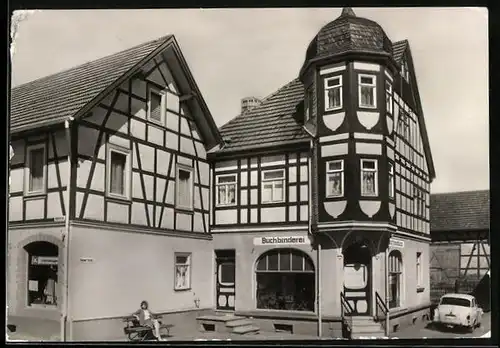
[(46, 330)]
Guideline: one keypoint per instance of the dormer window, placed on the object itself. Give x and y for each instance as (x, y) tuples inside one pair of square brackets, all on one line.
[(333, 93), (367, 91), (404, 71)]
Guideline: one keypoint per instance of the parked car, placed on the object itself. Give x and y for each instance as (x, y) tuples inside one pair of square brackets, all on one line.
[(458, 310)]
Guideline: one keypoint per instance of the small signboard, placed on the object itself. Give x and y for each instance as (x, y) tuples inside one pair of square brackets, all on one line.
[(45, 260), (86, 260), (396, 243), (287, 240)]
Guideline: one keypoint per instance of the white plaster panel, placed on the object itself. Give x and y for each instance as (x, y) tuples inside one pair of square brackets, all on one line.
[(136, 186), (187, 146), (388, 74), (200, 150), (54, 205), (244, 216), (244, 197), (368, 136), (172, 140), (94, 208), (204, 172), (138, 108), (253, 162), (303, 174), (390, 126), (117, 212), (35, 208), (163, 159), (82, 173), (292, 174), (139, 88), (167, 75), (185, 127), (368, 148), (334, 137), (173, 102), (17, 182), (87, 139), (272, 160), (183, 222), (197, 198), (170, 198), (366, 66), (334, 150), (368, 119), (253, 215), (61, 145), (78, 202), (98, 180), (304, 193), (332, 68), (244, 179), (390, 153), (52, 176), (292, 158), (292, 194), (226, 165), (253, 196), (392, 209), (108, 99), (198, 223), (155, 77), (97, 116), (334, 209), (147, 155), (172, 121), (292, 213), (276, 214), (160, 189), (138, 129), (139, 214), (334, 121), (149, 186), (15, 208), (304, 213), (253, 178), (370, 208), (184, 160), (224, 217), (155, 135), (122, 103), (167, 220)]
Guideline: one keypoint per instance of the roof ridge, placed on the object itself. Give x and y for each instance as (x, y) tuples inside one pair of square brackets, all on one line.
[(40, 79)]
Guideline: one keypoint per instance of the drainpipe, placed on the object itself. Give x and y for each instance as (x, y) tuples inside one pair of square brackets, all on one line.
[(65, 293), (387, 290)]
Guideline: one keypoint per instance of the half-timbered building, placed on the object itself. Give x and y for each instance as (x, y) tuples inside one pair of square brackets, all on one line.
[(460, 249), (109, 199), (320, 212)]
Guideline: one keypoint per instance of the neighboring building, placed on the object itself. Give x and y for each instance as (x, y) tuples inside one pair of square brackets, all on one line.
[(335, 167), (122, 193), (460, 249)]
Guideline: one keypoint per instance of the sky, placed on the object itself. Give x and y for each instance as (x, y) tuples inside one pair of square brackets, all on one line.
[(235, 53)]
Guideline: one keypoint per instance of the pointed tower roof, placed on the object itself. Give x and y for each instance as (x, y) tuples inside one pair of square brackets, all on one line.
[(347, 11)]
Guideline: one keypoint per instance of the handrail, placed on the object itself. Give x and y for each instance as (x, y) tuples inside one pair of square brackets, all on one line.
[(380, 303), (345, 305)]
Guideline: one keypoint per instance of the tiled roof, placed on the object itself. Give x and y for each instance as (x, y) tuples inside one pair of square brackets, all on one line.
[(270, 123), (56, 97), (468, 210), (398, 49)]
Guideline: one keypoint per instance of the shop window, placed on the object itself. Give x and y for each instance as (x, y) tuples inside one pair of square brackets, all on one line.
[(182, 271), (226, 190), (369, 185), (42, 277), (395, 278), (285, 281), (335, 178)]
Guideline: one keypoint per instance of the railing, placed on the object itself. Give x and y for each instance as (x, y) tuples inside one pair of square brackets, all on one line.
[(346, 311), (381, 309)]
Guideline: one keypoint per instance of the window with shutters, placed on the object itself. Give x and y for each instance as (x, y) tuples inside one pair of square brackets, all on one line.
[(156, 106), (35, 170)]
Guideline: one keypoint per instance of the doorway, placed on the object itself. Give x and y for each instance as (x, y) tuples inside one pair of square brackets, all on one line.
[(357, 278), (225, 261)]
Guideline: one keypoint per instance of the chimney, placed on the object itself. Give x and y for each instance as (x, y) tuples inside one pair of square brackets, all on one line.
[(249, 103)]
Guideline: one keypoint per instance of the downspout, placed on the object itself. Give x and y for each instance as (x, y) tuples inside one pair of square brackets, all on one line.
[(387, 289), (66, 306), (318, 245)]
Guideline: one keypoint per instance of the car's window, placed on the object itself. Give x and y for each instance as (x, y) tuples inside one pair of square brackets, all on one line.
[(455, 301)]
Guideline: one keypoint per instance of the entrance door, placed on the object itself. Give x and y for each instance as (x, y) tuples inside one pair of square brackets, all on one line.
[(357, 278), (225, 283)]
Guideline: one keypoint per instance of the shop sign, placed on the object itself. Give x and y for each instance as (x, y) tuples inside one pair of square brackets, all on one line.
[(86, 260), (288, 240), (396, 243), (45, 260)]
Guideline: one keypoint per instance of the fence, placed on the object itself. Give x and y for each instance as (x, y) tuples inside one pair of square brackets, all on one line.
[(462, 286)]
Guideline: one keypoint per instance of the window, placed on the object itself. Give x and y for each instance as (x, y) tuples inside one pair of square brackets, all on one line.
[(226, 189), (273, 182), (335, 178), (395, 275), (419, 202), (156, 106), (404, 125), (367, 91), (455, 301), (118, 170), (391, 180), (182, 271), (184, 187), (285, 281), (404, 71), (308, 104), (333, 93), (369, 185), (35, 172), (419, 270), (42, 275), (388, 97)]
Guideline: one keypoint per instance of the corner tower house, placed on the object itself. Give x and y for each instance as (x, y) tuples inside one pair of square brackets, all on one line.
[(321, 192)]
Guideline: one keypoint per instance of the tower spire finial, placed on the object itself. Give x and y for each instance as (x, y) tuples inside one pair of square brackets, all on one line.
[(347, 11)]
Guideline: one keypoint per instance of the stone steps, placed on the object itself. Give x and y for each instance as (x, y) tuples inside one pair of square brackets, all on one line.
[(227, 323), (365, 327)]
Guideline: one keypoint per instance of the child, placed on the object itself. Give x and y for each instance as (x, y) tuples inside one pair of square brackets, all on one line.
[(145, 317)]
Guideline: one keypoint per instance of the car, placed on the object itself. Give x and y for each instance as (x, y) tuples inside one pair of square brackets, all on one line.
[(458, 310)]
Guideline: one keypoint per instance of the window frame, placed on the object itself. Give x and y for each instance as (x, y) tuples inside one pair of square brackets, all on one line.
[(392, 188), (361, 85), (308, 104), (333, 171), (389, 97), (190, 169), (362, 170), (264, 181), (189, 264), (128, 172), (399, 271), (27, 170), (162, 95), (327, 89), (217, 185), (419, 271)]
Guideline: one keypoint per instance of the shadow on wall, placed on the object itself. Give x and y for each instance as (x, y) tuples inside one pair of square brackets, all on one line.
[(482, 293)]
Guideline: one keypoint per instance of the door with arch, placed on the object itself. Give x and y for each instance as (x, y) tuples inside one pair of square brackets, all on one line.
[(225, 279), (357, 278)]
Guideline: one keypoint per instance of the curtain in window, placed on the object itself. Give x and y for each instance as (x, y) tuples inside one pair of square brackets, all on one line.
[(335, 184), (117, 173), (334, 97), (222, 194), (367, 95), (369, 183), (267, 192), (36, 169), (231, 194)]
